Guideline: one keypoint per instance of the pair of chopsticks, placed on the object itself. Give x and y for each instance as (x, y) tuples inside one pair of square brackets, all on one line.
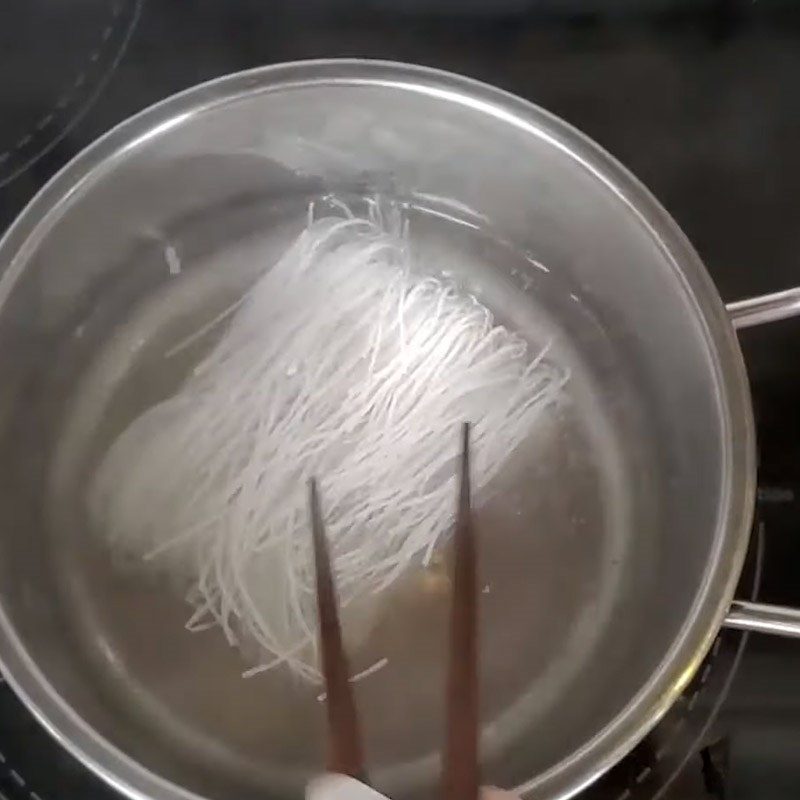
[(460, 776)]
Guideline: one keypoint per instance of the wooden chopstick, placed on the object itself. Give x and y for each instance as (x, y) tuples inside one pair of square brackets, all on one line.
[(460, 774), (345, 752)]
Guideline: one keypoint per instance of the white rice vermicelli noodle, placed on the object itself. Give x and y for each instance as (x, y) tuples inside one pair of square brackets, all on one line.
[(340, 362)]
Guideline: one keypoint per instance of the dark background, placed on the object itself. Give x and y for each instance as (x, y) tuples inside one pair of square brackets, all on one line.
[(699, 98)]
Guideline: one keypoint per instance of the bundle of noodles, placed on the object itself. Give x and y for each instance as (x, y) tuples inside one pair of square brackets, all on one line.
[(339, 362)]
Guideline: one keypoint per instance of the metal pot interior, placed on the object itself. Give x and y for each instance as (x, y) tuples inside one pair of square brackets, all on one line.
[(610, 547)]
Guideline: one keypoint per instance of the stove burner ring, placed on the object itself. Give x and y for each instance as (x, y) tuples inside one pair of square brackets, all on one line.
[(77, 97)]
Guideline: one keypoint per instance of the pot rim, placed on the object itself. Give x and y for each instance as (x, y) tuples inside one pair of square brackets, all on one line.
[(716, 591)]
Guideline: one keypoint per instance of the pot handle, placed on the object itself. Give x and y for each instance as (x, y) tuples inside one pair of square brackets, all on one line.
[(743, 615), (764, 618), (765, 308)]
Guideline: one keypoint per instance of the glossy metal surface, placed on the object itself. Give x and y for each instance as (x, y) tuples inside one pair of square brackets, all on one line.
[(765, 308), (764, 618), (748, 616), (613, 632)]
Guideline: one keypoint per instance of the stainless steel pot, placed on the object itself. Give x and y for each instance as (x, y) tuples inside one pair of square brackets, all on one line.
[(615, 601)]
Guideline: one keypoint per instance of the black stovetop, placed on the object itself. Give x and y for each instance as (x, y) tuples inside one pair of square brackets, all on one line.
[(699, 98)]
